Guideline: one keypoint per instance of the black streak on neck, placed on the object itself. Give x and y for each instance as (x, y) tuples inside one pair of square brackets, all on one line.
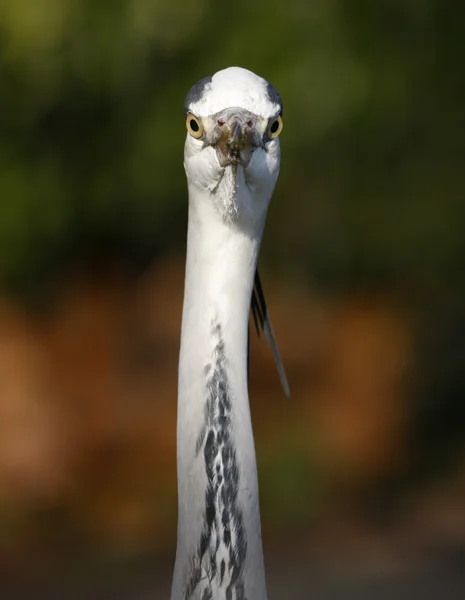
[(219, 553)]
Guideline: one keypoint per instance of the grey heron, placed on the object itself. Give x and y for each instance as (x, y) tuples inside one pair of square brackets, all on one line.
[(231, 160)]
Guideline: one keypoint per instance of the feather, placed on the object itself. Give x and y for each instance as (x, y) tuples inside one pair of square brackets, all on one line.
[(262, 322)]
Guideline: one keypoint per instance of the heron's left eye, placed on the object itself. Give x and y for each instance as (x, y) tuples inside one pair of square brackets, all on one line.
[(275, 127), (194, 126)]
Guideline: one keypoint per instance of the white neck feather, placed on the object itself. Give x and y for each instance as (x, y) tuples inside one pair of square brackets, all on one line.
[(217, 475)]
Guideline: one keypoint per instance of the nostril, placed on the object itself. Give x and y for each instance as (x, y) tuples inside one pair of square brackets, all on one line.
[(249, 123), (220, 122)]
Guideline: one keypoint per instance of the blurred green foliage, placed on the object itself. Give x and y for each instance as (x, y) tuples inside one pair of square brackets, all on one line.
[(91, 123)]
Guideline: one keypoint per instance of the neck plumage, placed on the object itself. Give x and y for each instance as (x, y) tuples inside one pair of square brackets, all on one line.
[(219, 553)]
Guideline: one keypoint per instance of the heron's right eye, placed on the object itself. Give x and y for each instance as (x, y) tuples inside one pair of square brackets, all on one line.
[(193, 126)]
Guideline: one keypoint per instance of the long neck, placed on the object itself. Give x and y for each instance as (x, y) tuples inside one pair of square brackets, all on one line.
[(219, 553)]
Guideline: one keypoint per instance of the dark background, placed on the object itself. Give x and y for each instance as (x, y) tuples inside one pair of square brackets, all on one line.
[(362, 473)]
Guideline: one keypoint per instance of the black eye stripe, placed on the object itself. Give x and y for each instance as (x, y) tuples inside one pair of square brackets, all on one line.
[(197, 92), (274, 97)]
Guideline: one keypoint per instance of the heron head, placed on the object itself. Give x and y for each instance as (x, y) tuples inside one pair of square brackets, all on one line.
[(233, 122)]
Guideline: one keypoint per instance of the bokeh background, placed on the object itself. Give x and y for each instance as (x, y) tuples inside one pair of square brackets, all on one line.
[(362, 473)]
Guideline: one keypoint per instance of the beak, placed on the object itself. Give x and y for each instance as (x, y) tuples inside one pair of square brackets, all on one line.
[(237, 137)]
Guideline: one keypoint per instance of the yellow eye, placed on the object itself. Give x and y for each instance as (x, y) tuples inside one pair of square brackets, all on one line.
[(193, 126), (275, 127)]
